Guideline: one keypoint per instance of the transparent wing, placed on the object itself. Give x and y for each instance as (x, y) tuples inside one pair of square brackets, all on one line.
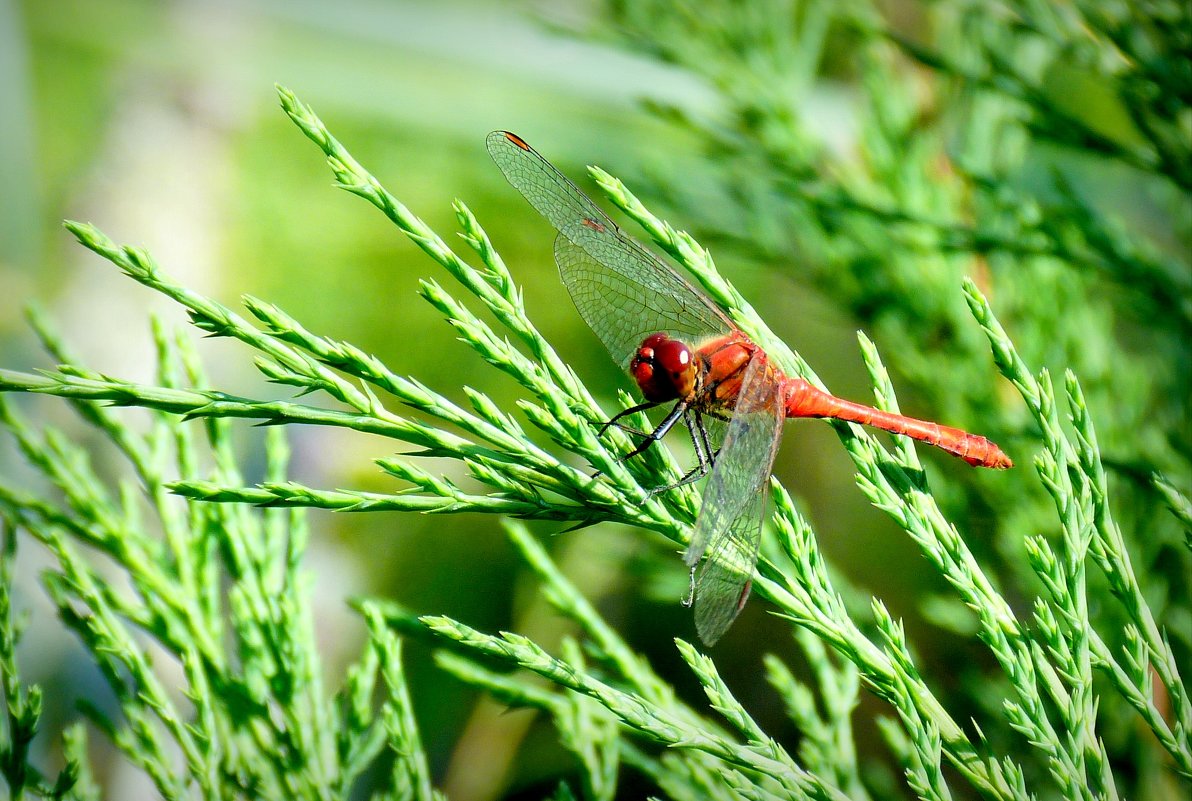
[(547, 189), (624, 296), (726, 577), (622, 290), (729, 527)]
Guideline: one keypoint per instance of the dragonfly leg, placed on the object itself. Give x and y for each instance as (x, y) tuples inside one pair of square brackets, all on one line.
[(690, 599), (703, 438), (703, 454), (649, 439), (658, 433), (641, 407)]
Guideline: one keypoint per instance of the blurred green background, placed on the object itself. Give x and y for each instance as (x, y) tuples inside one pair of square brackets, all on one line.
[(158, 122)]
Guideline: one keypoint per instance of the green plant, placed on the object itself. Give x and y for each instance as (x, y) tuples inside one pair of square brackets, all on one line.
[(1091, 657)]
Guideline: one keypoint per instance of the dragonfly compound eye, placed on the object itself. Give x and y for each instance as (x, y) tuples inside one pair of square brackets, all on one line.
[(664, 368)]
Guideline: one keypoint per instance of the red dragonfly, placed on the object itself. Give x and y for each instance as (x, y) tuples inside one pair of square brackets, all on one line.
[(679, 346)]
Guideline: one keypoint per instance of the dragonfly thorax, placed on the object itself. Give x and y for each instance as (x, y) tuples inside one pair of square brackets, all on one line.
[(664, 368)]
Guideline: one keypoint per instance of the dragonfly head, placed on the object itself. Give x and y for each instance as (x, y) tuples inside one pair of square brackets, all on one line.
[(664, 368)]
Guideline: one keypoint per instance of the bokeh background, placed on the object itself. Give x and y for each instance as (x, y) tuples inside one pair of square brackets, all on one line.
[(158, 122)]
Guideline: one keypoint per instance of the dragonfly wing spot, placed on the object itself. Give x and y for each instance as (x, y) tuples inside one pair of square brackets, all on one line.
[(516, 140)]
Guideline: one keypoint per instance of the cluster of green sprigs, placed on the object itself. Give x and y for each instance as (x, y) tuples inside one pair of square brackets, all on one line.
[(217, 588), (257, 722), (933, 193), (261, 723), (23, 706), (992, 142), (963, 166)]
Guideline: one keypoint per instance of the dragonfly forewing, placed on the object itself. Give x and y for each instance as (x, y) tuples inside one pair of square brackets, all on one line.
[(549, 191), (624, 292)]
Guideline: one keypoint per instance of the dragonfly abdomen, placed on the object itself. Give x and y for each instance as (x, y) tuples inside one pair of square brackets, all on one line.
[(804, 400)]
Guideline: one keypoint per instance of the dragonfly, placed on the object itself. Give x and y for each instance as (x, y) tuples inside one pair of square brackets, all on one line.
[(681, 348)]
